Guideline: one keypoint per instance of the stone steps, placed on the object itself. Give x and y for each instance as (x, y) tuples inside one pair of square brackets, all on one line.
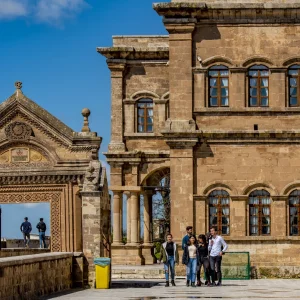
[(135, 272)]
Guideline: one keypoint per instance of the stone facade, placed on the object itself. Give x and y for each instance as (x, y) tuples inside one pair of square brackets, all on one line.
[(43, 160), (236, 149)]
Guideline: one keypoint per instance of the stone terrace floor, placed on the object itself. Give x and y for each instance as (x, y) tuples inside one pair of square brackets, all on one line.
[(252, 289)]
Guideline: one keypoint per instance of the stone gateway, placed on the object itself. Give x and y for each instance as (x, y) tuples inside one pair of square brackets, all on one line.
[(213, 107), (43, 160)]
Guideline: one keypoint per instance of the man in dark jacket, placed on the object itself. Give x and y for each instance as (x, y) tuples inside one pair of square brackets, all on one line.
[(189, 233), (26, 229), (41, 226)]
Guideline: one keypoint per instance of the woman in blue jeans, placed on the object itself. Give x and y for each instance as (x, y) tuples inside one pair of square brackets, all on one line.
[(170, 257), (190, 258)]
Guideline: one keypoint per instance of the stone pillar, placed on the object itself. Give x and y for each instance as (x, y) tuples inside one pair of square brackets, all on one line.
[(180, 70), (181, 173), (117, 70), (91, 226), (147, 249), (147, 218), (200, 90), (117, 218), (135, 212), (128, 221)]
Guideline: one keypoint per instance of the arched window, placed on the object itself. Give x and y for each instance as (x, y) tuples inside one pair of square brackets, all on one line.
[(219, 211), (258, 86), (294, 81), (218, 86), (294, 208), (145, 115), (260, 212)]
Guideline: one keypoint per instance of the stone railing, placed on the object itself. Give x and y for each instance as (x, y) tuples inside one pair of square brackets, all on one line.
[(32, 276), (8, 252)]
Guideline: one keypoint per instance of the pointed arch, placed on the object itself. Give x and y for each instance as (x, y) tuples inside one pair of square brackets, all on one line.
[(144, 94), (257, 60), (217, 60)]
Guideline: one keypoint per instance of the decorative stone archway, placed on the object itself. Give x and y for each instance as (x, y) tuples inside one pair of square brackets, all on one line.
[(30, 194), (43, 160)]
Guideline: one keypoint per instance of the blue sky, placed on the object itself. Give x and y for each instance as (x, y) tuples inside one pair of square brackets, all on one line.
[(50, 45)]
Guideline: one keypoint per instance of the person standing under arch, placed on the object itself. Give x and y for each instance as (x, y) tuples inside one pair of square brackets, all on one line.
[(26, 229), (41, 226)]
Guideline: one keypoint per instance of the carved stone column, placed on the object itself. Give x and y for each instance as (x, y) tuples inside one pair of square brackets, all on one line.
[(135, 212), (128, 221), (147, 250), (147, 218), (117, 221)]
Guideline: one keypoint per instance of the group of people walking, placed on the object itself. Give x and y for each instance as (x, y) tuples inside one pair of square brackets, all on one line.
[(205, 252), (26, 229)]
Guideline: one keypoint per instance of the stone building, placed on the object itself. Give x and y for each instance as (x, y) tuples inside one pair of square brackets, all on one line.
[(43, 160), (215, 106)]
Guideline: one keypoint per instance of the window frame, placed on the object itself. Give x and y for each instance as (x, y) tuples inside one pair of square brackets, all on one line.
[(260, 213), (219, 214), (298, 212), (218, 86), (145, 115), (259, 69), (297, 86)]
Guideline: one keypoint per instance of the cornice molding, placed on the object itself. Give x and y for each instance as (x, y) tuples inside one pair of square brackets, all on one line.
[(133, 53), (231, 13)]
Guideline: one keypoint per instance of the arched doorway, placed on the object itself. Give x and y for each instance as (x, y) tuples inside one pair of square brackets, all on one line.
[(159, 184)]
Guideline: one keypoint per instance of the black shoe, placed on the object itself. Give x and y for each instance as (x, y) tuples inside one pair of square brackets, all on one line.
[(187, 283), (199, 283), (193, 284), (167, 284), (173, 283), (206, 282), (219, 283)]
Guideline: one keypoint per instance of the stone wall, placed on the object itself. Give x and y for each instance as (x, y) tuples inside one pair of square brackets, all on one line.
[(32, 276), (271, 258)]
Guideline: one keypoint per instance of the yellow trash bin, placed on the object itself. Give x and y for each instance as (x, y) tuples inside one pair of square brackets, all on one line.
[(102, 265)]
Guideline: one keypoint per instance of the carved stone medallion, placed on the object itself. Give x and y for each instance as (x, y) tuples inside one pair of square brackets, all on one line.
[(18, 131)]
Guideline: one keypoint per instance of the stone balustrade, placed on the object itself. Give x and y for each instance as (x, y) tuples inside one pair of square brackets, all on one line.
[(8, 252), (31, 276)]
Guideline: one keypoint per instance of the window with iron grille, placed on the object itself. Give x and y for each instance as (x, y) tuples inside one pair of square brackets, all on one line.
[(294, 81), (145, 115), (260, 213), (219, 211), (218, 86), (294, 209), (258, 86)]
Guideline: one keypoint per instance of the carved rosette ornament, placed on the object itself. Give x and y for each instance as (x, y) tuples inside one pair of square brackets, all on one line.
[(18, 131)]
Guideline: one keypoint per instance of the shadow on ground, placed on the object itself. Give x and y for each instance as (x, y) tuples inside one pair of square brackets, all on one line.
[(115, 285)]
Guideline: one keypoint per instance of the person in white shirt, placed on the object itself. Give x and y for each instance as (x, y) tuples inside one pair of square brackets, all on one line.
[(215, 259)]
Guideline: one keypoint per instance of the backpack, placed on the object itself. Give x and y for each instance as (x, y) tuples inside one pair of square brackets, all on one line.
[(42, 226)]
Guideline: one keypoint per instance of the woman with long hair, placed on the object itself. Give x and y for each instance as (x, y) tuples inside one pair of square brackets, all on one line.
[(203, 259), (190, 259), (170, 257)]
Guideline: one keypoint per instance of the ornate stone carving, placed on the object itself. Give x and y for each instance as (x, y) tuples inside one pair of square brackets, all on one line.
[(18, 85), (22, 195), (18, 131)]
